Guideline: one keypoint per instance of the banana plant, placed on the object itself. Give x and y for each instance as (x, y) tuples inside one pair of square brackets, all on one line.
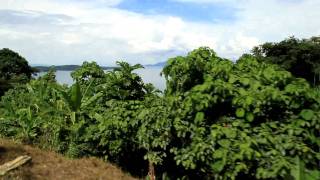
[(76, 100), (77, 103), (28, 123), (300, 172)]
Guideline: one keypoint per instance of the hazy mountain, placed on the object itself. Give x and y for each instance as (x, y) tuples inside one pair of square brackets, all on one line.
[(159, 64)]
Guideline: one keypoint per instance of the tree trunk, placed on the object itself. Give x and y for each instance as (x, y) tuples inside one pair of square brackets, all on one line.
[(151, 172)]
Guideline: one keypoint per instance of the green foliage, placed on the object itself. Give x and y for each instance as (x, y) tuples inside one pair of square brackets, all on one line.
[(14, 69), (235, 123), (299, 172), (182, 73), (218, 119), (87, 73), (300, 57), (123, 84), (13, 65)]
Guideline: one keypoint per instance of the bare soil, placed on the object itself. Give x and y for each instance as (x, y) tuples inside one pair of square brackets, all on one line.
[(50, 165)]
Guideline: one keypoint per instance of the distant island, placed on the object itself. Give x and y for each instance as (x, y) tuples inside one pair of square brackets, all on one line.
[(161, 64), (64, 68), (44, 68)]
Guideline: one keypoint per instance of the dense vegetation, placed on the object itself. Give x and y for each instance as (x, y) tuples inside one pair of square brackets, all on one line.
[(217, 119), (14, 70), (300, 57)]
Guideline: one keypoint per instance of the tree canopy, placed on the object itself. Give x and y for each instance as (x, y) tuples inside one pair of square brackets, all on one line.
[(14, 69), (299, 56)]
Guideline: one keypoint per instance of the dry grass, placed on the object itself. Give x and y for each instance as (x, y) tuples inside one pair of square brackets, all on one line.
[(49, 165)]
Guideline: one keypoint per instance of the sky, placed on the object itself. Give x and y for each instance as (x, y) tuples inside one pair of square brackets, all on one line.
[(56, 32)]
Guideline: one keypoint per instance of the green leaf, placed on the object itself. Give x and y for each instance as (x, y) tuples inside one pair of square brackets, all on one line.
[(249, 116), (199, 117), (218, 166), (245, 81), (91, 100), (313, 175), (73, 117), (240, 112), (307, 114), (300, 172), (249, 100), (230, 133), (98, 117), (219, 153), (76, 96), (224, 143)]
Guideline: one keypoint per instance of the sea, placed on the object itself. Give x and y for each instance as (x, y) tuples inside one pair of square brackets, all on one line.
[(148, 74)]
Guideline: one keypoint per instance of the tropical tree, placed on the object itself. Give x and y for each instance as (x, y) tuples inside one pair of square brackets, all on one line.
[(124, 84), (244, 120), (301, 57), (89, 74), (182, 73), (14, 69)]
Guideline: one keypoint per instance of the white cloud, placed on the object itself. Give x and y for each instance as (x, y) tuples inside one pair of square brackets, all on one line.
[(64, 32)]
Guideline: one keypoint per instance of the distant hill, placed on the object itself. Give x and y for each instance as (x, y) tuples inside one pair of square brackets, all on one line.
[(160, 64), (45, 68), (64, 68)]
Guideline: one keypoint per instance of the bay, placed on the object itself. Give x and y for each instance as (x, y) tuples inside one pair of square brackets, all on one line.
[(148, 75)]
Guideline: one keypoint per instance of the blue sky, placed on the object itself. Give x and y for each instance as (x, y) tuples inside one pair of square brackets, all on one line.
[(190, 11), (148, 31)]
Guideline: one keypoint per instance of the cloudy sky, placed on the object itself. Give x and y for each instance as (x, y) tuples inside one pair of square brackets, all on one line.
[(148, 31)]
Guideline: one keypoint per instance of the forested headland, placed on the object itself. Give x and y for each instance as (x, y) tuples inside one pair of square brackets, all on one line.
[(64, 68)]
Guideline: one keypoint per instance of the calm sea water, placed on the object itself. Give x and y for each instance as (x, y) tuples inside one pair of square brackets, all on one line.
[(149, 75)]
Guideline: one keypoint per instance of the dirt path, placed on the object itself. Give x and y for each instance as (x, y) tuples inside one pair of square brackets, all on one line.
[(49, 165)]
